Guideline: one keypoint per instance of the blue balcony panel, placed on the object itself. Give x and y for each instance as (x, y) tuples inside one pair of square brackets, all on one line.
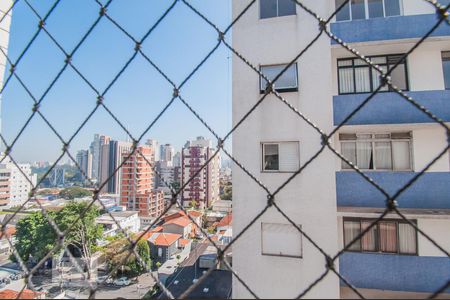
[(395, 272), (391, 108), (430, 191), (391, 28)]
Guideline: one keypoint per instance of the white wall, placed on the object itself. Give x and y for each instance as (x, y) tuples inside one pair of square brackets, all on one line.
[(428, 142), (438, 230), (275, 41), (417, 7)]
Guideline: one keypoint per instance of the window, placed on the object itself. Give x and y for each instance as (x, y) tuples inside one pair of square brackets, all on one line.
[(287, 82), (446, 68), (280, 157), (390, 151), (276, 8), (281, 240), (388, 236), (367, 9), (356, 76)]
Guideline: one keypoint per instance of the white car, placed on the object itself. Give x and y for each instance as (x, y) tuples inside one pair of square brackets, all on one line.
[(122, 281)]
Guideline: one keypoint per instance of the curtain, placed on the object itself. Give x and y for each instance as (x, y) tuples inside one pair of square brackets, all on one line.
[(388, 237), (346, 80), (364, 155), (362, 79), (348, 150), (271, 157), (407, 238), (401, 155), (383, 155), (368, 241), (376, 78), (352, 230)]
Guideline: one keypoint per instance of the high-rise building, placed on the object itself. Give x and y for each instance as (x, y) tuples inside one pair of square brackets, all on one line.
[(177, 159), (16, 180), (137, 183), (389, 139), (165, 176), (204, 187), (115, 159), (96, 151), (154, 144), (84, 161), (167, 153)]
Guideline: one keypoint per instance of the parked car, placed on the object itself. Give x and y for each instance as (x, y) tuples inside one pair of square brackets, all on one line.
[(122, 281), (101, 280)]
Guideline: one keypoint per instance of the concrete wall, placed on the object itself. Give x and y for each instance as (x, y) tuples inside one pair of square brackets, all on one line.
[(277, 41), (438, 230)]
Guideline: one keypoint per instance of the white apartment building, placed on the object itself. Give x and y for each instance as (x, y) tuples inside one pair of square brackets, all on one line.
[(389, 139), (128, 220), (21, 181)]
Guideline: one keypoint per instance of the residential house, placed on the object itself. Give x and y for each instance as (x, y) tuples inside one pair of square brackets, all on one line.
[(163, 246), (182, 226)]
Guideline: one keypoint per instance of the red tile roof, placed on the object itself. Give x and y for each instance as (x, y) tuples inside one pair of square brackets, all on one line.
[(9, 231), (181, 221), (183, 242), (25, 294), (164, 239), (195, 214), (148, 234), (226, 221), (174, 216)]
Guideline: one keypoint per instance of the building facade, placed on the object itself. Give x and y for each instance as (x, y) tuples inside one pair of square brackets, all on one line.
[(85, 162), (389, 139), (204, 188), (154, 144), (96, 151), (115, 159), (19, 183), (167, 153)]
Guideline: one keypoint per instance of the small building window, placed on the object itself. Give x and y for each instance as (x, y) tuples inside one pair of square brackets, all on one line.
[(367, 9), (446, 68), (356, 76), (287, 82), (387, 236), (276, 8), (390, 151), (281, 240), (280, 157)]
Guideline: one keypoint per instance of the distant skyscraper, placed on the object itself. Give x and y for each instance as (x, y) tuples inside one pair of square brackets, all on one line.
[(204, 188), (154, 144), (167, 152), (96, 151), (177, 159), (84, 161), (116, 150), (137, 183)]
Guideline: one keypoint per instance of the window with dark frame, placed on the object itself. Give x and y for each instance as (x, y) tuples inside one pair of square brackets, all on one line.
[(387, 236), (446, 68), (287, 82), (280, 156), (276, 8), (270, 157), (356, 76), (367, 9), (381, 151)]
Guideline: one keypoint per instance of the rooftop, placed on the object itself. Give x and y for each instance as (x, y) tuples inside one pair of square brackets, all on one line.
[(163, 239), (25, 294), (226, 221), (181, 221)]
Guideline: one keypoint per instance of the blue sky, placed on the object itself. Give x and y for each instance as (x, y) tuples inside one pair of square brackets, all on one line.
[(177, 45)]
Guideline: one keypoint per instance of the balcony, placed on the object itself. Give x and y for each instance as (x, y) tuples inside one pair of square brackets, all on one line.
[(390, 28), (431, 190), (391, 108)]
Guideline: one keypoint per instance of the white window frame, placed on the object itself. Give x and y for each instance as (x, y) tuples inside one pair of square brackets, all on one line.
[(278, 89), (278, 14), (374, 140), (265, 253), (278, 144), (366, 11)]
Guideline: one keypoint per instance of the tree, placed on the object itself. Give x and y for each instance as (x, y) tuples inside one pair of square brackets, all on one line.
[(84, 232), (71, 193)]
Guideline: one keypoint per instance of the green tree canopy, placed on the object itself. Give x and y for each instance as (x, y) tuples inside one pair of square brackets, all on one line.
[(73, 192)]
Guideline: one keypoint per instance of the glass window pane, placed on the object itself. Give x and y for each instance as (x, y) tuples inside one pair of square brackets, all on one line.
[(407, 238), (368, 241), (364, 156), (388, 237), (271, 157), (286, 81), (398, 77), (358, 10), (345, 62), (378, 59), (375, 8), (346, 81), (289, 156), (376, 79), (268, 8), (351, 231), (446, 68), (348, 150), (401, 155), (392, 7), (344, 13), (362, 79), (286, 8), (383, 156)]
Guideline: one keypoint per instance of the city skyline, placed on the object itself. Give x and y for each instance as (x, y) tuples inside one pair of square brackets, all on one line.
[(145, 98)]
